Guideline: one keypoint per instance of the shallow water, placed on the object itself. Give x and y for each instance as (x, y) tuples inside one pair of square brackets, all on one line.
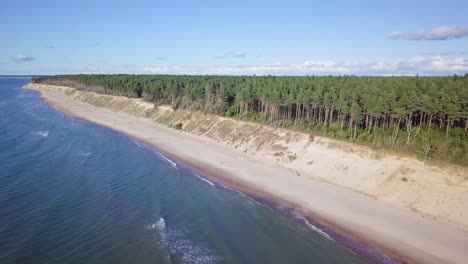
[(75, 192)]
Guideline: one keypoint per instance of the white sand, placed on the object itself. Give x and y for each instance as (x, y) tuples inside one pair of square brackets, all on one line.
[(405, 233)]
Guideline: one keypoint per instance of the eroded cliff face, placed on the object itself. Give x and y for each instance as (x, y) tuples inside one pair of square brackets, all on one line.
[(434, 191)]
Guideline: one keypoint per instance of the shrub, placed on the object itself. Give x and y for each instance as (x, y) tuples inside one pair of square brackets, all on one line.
[(178, 126), (311, 137)]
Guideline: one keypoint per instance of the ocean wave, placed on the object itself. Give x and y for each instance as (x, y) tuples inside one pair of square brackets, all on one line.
[(43, 134), (247, 198), (205, 180), (306, 222), (177, 244), (376, 255), (85, 154), (159, 225), (145, 146), (137, 143), (172, 163)]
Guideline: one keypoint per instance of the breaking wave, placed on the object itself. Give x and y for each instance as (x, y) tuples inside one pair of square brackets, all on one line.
[(137, 143), (159, 225), (299, 217), (177, 244), (205, 180), (43, 134), (172, 163)]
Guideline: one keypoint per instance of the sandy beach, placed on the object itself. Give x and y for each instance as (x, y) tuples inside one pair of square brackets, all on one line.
[(399, 231)]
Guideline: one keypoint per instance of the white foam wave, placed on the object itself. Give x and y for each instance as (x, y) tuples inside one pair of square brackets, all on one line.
[(249, 199), (136, 143), (172, 163), (205, 180), (43, 134), (176, 242), (85, 154), (159, 225), (299, 216)]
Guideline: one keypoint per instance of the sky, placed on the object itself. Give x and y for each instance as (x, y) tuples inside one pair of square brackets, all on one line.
[(234, 37)]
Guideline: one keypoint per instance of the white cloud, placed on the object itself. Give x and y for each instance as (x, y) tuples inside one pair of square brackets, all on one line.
[(435, 65), (22, 57), (232, 54), (438, 33), (445, 53), (172, 69)]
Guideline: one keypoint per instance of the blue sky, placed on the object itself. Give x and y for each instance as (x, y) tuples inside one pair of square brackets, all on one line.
[(235, 37)]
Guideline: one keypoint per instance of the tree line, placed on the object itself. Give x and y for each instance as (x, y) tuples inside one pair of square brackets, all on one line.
[(426, 116)]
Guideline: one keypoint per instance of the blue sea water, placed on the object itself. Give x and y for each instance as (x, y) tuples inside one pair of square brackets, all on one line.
[(75, 192)]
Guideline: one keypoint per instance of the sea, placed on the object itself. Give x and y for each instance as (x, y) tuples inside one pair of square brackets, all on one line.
[(75, 192)]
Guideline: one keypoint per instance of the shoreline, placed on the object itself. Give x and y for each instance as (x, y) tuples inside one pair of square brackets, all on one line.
[(400, 233), (295, 214)]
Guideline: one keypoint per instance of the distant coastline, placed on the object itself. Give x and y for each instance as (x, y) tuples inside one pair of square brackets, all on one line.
[(19, 76), (372, 221)]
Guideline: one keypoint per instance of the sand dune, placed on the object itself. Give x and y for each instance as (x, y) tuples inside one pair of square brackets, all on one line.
[(398, 203)]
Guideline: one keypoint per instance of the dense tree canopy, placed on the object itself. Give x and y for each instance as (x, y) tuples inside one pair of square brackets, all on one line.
[(427, 116)]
